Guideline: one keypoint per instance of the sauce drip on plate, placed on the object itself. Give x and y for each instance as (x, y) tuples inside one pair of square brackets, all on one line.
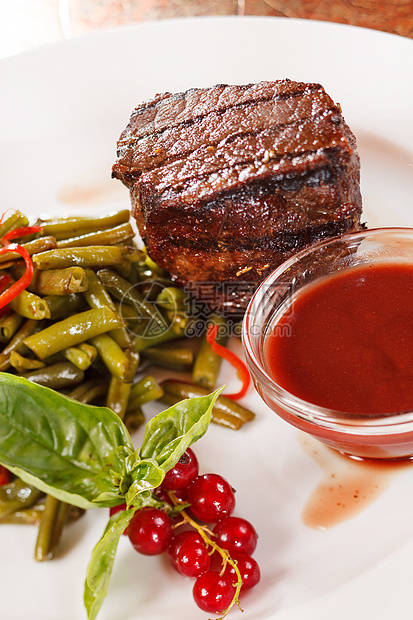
[(347, 486)]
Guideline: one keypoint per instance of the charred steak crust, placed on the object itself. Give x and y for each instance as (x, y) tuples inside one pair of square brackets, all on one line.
[(227, 182)]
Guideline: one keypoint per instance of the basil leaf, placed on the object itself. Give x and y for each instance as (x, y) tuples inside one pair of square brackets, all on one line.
[(172, 431), (110, 478), (147, 475), (166, 438), (57, 444), (84, 455), (101, 562)]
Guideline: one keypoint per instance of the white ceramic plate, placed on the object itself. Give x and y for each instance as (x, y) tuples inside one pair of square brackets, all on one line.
[(62, 109)]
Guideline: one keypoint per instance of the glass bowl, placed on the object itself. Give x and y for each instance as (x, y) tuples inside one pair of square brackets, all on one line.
[(364, 436)]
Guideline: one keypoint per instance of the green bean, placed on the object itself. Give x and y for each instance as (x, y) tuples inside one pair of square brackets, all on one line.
[(17, 495), (61, 306), (177, 327), (63, 512), (62, 228), (118, 396), (225, 412), (79, 358), (41, 244), (132, 254), (89, 391), (126, 293), (172, 298), (33, 515), (134, 418), (178, 320), (144, 384), (6, 265), (72, 331), (167, 356), (30, 306), (58, 281), (144, 391), (134, 359), (89, 349), (28, 328), (50, 528), (15, 220), (97, 297), (227, 419), (143, 273), (134, 274), (16, 343), (130, 317), (144, 342), (90, 256), (155, 269), (124, 270), (150, 289), (108, 236), (208, 363), (57, 376), (127, 312), (9, 324), (32, 247), (78, 392), (95, 394), (27, 516), (21, 363), (116, 361)]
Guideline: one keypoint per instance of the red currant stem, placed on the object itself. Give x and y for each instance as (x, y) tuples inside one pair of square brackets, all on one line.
[(226, 558)]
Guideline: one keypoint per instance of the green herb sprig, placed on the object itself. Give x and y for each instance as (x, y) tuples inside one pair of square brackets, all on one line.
[(84, 455)]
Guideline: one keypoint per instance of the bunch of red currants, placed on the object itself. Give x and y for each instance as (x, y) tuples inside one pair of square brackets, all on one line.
[(220, 559)]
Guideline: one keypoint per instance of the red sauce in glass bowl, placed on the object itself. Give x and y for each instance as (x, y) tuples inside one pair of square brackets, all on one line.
[(328, 338), (347, 341)]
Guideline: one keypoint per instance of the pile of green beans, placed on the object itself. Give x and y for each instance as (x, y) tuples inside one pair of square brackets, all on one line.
[(97, 312), (22, 503)]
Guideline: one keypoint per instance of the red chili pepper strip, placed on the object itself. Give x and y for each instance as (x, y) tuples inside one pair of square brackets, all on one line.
[(233, 359), (23, 282), (20, 232), (4, 282)]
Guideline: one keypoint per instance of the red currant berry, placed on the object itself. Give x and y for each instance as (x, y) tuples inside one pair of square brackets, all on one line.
[(183, 473), (235, 535), (5, 476), (211, 498), (212, 592), (192, 559), (249, 569), (150, 531), (181, 538)]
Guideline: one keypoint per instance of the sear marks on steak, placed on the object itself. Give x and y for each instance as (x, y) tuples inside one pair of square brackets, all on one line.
[(227, 182)]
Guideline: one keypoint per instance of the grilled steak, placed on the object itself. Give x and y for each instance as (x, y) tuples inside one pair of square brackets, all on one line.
[(227, 182)]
